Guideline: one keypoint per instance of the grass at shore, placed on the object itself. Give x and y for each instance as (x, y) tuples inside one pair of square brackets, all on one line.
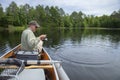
[(13, 28), (16, 28), (21, 28), (1, 29)]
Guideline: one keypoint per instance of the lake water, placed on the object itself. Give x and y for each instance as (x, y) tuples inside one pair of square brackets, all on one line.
[(87, 54)]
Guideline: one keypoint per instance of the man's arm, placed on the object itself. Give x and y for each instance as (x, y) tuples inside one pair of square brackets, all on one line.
[(32, 40)]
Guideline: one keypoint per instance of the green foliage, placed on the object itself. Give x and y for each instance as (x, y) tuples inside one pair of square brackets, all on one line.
[(1, 11), (77, 19), (54, 17), (67, 21)]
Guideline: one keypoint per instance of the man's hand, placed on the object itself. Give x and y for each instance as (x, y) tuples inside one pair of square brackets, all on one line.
[(43, 36)]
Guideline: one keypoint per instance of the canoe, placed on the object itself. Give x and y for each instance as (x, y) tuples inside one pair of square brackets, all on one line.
[(52, 69)]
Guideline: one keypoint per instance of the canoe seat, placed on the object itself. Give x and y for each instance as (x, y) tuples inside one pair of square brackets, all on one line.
[(32, 74), (27, 55)]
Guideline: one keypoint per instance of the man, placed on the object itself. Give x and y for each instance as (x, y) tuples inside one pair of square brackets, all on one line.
[(29, 41)]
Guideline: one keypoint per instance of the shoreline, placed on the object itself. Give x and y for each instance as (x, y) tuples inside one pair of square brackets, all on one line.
[(20, 28)]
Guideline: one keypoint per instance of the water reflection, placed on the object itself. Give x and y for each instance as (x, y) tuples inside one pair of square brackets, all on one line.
[(8, 40), (87, 54)]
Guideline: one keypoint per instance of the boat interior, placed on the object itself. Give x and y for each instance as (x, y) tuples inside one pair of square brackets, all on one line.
[(36, 71)]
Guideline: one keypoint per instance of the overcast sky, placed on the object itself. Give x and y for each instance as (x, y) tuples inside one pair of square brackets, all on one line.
[(91, 7)]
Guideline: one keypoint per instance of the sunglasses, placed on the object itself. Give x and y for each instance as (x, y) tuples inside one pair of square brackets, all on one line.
[(36, 27)]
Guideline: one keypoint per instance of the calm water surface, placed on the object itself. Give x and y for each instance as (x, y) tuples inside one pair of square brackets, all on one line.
[(87, 54)]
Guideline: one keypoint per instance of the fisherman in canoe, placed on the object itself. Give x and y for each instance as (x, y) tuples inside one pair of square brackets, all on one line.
[(32, 65), (29, 41)]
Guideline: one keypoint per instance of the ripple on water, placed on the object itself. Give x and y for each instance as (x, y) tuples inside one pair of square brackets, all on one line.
[(88, 55)]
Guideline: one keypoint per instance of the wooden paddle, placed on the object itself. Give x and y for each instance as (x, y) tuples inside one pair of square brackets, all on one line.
[(28, 67), (41, 66)]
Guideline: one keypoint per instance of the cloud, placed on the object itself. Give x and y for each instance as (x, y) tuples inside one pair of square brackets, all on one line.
[(91, 7)]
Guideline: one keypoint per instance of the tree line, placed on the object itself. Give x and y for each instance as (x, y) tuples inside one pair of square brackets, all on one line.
[(54, 17)]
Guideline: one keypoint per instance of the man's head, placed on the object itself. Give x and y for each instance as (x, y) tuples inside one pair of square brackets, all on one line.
[(33, 25)]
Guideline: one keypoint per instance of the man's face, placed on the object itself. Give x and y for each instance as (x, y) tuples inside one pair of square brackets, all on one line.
[(33, 28)]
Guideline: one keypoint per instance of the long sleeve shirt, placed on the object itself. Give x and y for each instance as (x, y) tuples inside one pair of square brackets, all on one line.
[(29, 41)]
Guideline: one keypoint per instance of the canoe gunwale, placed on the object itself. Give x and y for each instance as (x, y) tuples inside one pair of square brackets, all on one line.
[(10, 50), (56, 74)]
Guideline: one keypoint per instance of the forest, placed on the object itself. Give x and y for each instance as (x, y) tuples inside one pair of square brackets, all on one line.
[(53, 16)]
